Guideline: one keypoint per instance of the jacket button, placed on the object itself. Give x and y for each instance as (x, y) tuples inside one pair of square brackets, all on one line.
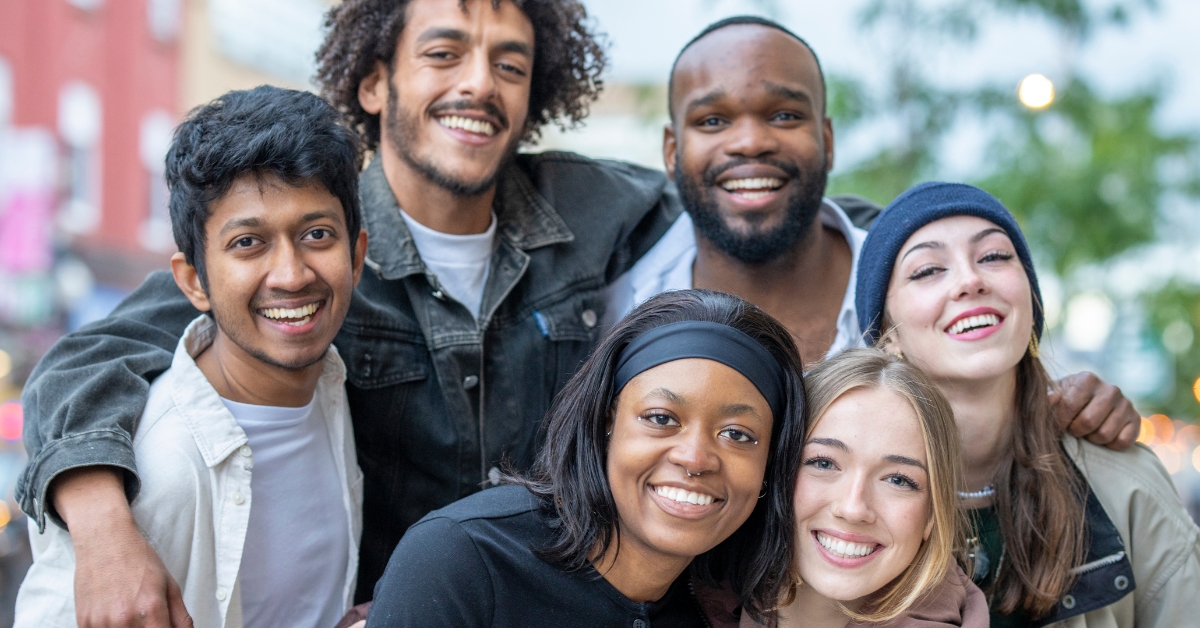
[(1121, 583), (589, 318), (494, 476), (439, 295), (637, 623), (220, 595), (470, 381), (244, 450), (238, 498), (1068, 602)]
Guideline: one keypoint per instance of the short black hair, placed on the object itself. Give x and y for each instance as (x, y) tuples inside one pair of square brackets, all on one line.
[(568, 59), (267, 130), (738, 20), (570, 473)]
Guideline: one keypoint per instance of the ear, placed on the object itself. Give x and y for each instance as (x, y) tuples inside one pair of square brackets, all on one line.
[(373, 89), (188, 281), (827, 132), (669, 146), (360, 255)]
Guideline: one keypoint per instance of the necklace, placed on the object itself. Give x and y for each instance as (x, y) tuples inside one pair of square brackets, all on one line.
[(986, 491)]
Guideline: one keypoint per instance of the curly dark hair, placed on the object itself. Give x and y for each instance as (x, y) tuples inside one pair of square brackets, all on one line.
[(568, 60)]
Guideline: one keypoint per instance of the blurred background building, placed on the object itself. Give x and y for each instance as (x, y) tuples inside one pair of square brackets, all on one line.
[(1079, 114)]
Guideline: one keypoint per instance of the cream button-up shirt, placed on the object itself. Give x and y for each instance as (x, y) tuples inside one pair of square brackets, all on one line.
[(195, 465), (668, 266)]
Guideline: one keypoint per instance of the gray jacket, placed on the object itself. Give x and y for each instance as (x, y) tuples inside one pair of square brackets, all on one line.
[(439, 399)]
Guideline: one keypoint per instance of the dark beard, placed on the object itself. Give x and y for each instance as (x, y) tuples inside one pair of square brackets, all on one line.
[(401, 128), (758, 245)]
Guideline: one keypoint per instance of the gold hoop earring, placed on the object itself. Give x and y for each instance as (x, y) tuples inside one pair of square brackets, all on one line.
[(1034, 349)]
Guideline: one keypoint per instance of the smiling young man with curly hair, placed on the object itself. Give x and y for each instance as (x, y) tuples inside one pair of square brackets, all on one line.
[(482, 293)]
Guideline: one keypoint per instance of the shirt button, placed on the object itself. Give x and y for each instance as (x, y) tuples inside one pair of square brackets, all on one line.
[(220, 595), (439, 295), (1121, 583), (470, 381), (637, 623), (244, 450), (1068, 602), (238, 498), (494, 476), (589, 321)]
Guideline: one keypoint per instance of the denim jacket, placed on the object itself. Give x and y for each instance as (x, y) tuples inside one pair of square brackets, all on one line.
[(439, 399)]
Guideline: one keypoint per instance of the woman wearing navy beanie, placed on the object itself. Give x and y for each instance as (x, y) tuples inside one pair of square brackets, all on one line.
[(1063, 532)]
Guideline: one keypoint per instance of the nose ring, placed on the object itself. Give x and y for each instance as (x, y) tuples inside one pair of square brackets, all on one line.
[(690, 474)]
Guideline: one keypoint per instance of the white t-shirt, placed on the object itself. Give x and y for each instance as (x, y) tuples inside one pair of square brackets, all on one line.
[(459, 261), (294, 559)]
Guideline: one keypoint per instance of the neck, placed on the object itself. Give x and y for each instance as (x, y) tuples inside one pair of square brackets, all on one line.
[(812, 610), (433, 205), (638, 574), (803, 288), (239, 376), (985, 411)]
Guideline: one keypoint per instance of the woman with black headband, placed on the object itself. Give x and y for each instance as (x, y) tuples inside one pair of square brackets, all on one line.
[(666, 465)]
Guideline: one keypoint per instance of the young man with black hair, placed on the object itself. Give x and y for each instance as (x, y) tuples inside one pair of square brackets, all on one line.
[(482, 296), (250, 489)]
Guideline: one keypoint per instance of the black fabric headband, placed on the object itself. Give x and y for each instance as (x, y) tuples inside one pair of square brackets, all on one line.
[(710, 341)]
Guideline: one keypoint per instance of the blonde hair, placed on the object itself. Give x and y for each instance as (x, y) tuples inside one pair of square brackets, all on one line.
[(873, 369)]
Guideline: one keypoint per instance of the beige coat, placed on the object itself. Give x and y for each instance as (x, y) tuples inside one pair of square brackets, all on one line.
[(1162, 542)]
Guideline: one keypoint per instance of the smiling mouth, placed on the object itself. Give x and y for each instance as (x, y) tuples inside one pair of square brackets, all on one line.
[(294, 316), (845, 549), (684, 497), (752, 188), (971, 323), (470, 125)]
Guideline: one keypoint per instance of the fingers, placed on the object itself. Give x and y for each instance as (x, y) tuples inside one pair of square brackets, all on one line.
[(1070, 395), (360, 624), (178, 614)]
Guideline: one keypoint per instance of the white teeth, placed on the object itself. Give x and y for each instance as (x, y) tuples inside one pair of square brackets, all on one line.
[(761, 185), (843, 548), (974, 322), (684, 497), (304, 313), (482, 127)]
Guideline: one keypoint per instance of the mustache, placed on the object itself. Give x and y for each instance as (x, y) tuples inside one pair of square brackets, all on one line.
[(789, 168), (462, 105)]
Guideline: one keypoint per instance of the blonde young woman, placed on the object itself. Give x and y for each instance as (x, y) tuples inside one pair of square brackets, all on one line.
[(877, 523), (1063, 532)]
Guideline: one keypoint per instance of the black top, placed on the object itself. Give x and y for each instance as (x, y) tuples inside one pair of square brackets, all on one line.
[(472, 564)]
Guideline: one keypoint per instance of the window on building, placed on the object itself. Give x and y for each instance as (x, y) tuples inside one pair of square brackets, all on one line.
[(154, 138), (79, 122)]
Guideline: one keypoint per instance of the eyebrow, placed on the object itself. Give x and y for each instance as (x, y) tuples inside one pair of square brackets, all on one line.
[(317, 215), (739, 409), (239, 223), (787, 92), (893, 458), (462, 36), (668, 395), (985, 233), (829, 442), (706, 99), (922, 245)]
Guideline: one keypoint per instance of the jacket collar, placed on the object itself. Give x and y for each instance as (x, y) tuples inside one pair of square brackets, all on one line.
[(523, 216), (1106, 574)]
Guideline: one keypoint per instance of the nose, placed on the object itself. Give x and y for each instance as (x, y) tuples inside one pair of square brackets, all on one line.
[(970, 282), (477, 81), (855, 503), (289, 271), (751, 137), (695, 453)]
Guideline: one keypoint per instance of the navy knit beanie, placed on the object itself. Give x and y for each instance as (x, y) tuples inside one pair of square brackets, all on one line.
[(912, 210)]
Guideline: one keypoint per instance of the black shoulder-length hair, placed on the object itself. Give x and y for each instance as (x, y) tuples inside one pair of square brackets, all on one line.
[(570, 473)]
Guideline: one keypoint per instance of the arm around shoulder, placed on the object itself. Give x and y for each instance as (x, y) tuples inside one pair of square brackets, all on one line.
[(84, 397), (436, 577)]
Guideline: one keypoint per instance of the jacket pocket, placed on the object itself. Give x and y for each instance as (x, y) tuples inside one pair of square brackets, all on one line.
[(382, 359)]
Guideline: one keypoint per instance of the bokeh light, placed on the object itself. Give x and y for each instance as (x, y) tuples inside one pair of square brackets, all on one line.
[(1196, 389), (1169, 454), (5, 364), (1036, 91), (1196, 458), (1146, 435), (1164, 428), (12, 419)]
